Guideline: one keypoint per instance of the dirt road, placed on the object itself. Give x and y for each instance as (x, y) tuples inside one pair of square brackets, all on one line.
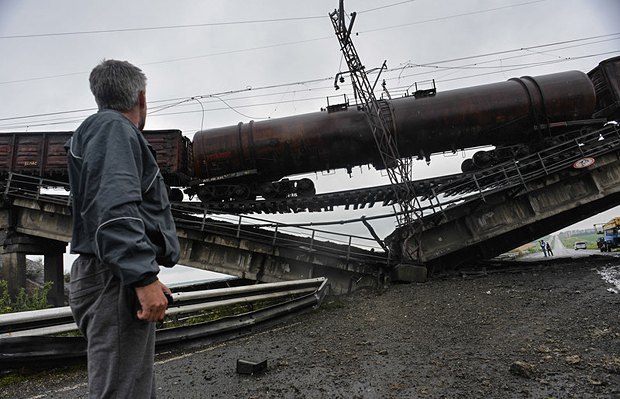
[(546, 328)]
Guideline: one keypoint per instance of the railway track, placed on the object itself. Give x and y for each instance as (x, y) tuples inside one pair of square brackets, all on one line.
[(385, 195)]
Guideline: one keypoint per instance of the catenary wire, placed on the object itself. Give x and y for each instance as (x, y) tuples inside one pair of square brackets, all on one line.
[(263, 47), (41, 123)]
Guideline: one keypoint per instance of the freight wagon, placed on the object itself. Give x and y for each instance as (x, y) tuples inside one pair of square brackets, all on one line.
[(42, 154)]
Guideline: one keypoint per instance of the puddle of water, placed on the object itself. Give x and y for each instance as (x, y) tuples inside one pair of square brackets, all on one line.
[(612, 276)]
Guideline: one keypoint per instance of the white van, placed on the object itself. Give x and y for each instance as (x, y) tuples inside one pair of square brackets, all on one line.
[(581, 245)]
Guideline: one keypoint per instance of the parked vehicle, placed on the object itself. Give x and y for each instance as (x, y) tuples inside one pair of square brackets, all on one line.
[(581, 245)]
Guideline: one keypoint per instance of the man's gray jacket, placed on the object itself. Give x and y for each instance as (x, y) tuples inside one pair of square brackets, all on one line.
[(121, 212)]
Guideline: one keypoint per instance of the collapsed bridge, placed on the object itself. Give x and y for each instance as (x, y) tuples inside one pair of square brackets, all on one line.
[(468, 217), (555, 163)]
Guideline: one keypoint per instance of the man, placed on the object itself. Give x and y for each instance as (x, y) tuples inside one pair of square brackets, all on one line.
[(122, 229), (543, 247)]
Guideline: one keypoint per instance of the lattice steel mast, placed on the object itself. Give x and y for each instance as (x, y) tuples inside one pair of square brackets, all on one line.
[(379, 119)]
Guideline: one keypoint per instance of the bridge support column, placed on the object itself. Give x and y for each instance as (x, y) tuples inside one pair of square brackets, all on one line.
[(14, 272), (53, 271), (14, 250)]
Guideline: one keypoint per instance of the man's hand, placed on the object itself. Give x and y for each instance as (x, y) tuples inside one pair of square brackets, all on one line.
[(153, 302)]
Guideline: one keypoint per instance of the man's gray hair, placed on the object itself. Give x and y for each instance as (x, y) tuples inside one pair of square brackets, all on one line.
[(116, 85)]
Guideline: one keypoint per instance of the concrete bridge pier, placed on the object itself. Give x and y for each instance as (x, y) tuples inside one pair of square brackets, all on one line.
[(14, 250)]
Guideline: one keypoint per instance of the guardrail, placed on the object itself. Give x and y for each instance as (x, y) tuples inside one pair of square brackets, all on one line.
[(28, 338), (60, 320)]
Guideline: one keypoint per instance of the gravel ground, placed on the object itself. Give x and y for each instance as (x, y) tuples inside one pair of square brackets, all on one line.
[(547, 328)]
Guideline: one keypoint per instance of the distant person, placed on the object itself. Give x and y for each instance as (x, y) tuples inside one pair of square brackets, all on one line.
[(123, 230), (543, 246), (549, 251)]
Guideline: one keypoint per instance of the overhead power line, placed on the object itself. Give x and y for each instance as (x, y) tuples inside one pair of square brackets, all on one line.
[(386, 6), (186, 26), (239, 50), (434, 65), (187, 101), (452, 16), (305, 41), (152, 28)]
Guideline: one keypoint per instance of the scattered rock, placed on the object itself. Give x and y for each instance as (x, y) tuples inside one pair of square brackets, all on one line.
[(594, 381), (523, 369), (249, 367)]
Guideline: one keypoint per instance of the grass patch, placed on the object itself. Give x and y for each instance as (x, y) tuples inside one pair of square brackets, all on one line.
[(35, 300), (589, 238)]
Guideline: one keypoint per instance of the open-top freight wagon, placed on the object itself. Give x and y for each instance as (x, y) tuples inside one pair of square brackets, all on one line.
[(43, 154)]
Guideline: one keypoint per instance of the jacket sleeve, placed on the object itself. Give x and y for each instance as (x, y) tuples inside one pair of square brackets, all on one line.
[(111, 176)]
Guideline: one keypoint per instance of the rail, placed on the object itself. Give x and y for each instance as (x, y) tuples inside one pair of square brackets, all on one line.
[(546, 162), (467, 187)]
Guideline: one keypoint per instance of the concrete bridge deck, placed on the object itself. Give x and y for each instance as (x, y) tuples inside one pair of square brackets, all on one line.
[(41, 224), (517, 203)]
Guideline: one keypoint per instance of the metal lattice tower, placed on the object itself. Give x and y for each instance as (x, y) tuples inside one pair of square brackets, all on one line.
[(380, 121)]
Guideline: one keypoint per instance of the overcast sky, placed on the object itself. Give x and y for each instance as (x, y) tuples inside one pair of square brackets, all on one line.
[(243, 60)]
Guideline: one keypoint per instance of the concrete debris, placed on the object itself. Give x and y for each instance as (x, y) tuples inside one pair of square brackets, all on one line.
[(248, 367), (523, 369)]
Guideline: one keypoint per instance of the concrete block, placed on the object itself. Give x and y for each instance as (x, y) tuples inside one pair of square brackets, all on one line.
[(248, 367), (408, 273)]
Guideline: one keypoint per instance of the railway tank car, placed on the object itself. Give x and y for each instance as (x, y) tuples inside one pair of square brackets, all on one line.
[(517, 116)]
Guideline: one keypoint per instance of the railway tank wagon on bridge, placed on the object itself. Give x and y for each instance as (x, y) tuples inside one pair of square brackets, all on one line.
[(519, 116)]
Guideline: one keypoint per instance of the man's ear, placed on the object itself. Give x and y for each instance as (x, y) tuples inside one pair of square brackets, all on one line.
[(142, 98)]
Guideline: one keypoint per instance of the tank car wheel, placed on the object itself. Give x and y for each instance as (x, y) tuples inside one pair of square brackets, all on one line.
[(175, 195), (204, 194), (268, 191), (305, 188), (482, 159), (242, 192), (468, 166)]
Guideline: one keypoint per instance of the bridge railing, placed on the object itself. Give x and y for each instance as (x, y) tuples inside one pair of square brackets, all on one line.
[(196, 217), (524, 170), (36, 188), (346, 246)]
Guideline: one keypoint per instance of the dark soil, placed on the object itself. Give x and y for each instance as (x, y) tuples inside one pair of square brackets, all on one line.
[(547, 329)]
